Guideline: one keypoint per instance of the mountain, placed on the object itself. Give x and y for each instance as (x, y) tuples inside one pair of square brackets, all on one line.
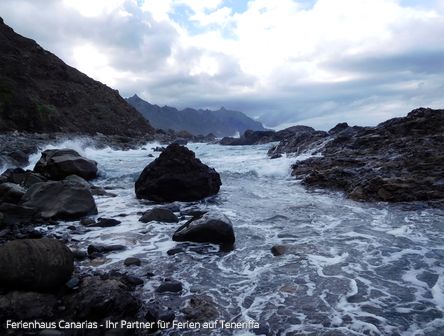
[(40, 93), (221, 122)]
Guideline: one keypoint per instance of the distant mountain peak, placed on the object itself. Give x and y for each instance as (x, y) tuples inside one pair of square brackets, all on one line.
[(221, 122)]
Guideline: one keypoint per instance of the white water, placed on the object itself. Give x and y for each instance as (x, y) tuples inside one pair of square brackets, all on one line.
[(353, 268)]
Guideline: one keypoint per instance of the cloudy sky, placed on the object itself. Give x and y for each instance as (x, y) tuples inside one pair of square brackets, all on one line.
[(282, 61)]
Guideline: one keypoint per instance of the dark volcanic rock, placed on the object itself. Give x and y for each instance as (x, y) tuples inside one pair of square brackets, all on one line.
[(24, 178), (170, 286), (56, 164), (102, 222), (401, 159), (200, 308), (177, 175), (105, 248), (132, 261), (40, 93), (159, 215), (20, 305), (60, 200), (35, 264), (250, 138), (11, 193), (99, 299), (211, 228)]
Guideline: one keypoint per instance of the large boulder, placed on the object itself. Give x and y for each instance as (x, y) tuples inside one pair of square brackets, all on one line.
[(11, 193), (211, 228), (177, 175), (60, 200), (25, 178), (35, 264), (56, 164)]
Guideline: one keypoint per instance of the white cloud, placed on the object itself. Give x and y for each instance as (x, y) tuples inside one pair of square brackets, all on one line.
[(277, 59)]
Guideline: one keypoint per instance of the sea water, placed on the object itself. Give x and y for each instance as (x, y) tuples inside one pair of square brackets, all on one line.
[(350, 268)]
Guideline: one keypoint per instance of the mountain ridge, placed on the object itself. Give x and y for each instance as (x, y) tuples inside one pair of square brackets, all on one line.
[(222, 122), (41, 93)]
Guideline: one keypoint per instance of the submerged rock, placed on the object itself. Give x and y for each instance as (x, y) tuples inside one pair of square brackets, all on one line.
[(210, 228), (35, 264), (56, 164), (159, 215), (60, 200), (177, 175)]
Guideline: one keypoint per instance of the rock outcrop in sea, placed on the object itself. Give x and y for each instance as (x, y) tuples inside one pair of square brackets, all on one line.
[(177, 175), (401, 159)]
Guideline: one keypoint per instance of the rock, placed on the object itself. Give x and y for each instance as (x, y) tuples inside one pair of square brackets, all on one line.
[(60, 200), (87, 221), (279, 250), (170, 286), (13, 214), (105, 248), (73, 283), (99, 299), (155, 312), (132, 261), (19, 305), (200, 309), (56, 164), (338, 128), (176, 175), (174, 251), (104, 222), (11, 193), (158, 149), (24, 178), (250, 138), (400, 160), (35, 264), (211, 228), (78, 180), (159, 215)]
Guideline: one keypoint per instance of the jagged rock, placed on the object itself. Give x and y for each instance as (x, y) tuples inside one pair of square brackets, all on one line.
[(35, 264), (60, 200), (159, 215), (211, 228), (177, 175), (399, 160), (57, 164)]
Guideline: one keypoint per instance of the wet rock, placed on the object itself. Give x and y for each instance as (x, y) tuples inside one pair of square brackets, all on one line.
[(155, 312), (177, 175), (159, 215), (104, 222), (99, 299), (23, 178), (21, 305), (56, 164), (105, 248), (35, 264), (158, 149), (86, 221), (211, 228), (11, 193), (73, 283), (170, 286), (200, 308), (132, 261), (60, 200), (13, 214), (399, 160), (174, 251), (279, 250), (250, 138)]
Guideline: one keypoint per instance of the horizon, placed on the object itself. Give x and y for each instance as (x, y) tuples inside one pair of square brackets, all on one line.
[(315, 63)]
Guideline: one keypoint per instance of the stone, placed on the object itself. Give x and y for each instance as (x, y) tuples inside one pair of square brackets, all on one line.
[(170, 286), (60, 200), (132, 261), (159, 215), (35, 264), (211, 228), (57, 164), (177, 175)]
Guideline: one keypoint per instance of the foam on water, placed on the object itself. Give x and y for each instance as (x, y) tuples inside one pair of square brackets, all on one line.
[(351, 268)]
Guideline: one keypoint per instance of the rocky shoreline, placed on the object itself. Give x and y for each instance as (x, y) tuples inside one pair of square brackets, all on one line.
[(43, 280)]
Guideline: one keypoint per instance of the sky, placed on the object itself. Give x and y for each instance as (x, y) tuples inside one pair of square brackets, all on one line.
[(282, 62)]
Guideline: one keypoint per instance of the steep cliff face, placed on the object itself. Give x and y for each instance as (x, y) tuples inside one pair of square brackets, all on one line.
[(40, 93), (221, 123)]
